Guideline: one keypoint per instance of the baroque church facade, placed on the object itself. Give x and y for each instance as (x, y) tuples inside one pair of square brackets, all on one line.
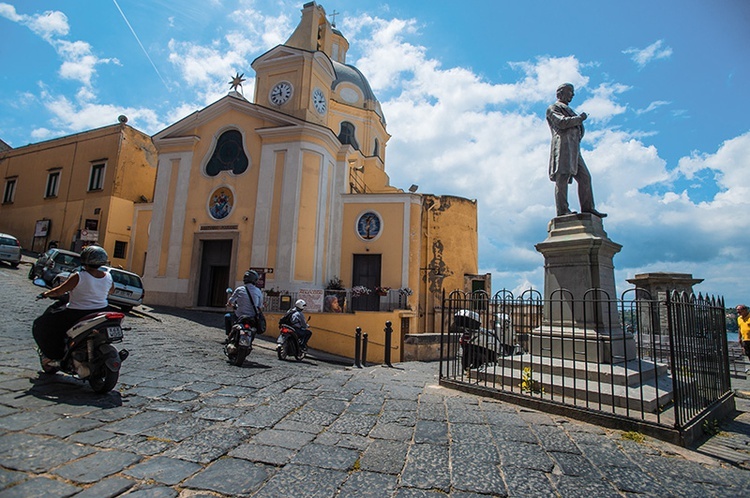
[(294, 184)]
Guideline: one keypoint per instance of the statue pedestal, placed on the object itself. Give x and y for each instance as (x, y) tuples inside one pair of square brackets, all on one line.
[(581, 321)]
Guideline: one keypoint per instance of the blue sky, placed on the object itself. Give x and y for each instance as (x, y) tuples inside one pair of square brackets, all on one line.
[(463, 86)]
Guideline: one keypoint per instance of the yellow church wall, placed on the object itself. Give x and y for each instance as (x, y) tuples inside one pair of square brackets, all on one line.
[(136, 172), (139, 240), (119, 215), (307, 215), (273, 237), (389, 244), (335, 332)]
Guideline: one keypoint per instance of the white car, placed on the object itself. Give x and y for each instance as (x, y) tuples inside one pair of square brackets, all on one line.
[(128, 287), (10, 249)]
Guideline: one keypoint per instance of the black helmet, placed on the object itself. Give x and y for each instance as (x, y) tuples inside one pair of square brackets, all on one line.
[(250, 277), (94, 256)]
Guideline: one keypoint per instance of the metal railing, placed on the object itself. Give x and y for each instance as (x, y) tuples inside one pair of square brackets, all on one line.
[(336, 301), (662, 365)]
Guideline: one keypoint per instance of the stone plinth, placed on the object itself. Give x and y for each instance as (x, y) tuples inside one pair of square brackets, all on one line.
[(580, 316)]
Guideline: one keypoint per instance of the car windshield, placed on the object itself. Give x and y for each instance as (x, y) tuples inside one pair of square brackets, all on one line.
[(67, 259), (7, 241)]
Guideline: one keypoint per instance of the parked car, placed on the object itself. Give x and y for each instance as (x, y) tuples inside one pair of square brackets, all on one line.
[(128, 287), (52, 262), (10, 249)]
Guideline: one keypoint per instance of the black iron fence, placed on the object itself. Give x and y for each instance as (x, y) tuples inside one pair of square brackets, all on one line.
[(660, 364)]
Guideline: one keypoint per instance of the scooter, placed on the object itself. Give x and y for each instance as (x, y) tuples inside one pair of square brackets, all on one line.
[(240, 340), (288, 344), (89, 353)]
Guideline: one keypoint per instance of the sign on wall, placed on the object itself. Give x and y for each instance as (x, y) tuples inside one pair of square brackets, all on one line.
[(313, 298), (42, 228)]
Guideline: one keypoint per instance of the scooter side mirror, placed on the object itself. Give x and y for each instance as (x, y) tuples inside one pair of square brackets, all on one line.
[(39, 282)]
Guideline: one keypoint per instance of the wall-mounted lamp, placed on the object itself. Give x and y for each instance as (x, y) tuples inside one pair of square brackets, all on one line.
[(359, 168), (413, 188), (244, 218), (193, 220)]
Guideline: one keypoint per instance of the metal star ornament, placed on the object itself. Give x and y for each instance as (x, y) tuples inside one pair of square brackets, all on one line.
[(237, 81)]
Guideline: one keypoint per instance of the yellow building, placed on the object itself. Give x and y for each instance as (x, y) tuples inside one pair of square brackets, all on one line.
[(80, 189), (294, 183)]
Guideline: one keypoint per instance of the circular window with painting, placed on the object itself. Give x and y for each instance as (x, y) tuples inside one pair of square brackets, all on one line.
[(220, 203), (369, 225)]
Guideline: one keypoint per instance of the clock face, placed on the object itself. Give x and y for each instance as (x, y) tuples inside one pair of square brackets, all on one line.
[(369, 225), (280, 93), (319, 101)]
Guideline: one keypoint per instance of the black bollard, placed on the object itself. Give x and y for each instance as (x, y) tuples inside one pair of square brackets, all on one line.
[(357, 346), (364, 349), (388, 331)]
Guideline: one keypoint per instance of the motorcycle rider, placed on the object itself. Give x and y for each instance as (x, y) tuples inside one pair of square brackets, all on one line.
[(242, 299), (298, 322), (88, 289)]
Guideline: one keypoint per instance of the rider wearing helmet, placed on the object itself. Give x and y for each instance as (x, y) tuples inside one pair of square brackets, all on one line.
[(242, 299), (297, 320), (88, 289)]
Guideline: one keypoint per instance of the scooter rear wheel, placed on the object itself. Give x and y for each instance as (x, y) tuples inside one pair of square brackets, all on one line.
[(282, 352), (239, 358), (103, 380)]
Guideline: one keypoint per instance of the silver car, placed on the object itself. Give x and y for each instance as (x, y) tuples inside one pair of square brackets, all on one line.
[(52, 263), (10, 249), (128, 291)]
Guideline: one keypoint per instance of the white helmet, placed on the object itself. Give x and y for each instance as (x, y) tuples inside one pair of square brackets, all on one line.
[(300, 304)]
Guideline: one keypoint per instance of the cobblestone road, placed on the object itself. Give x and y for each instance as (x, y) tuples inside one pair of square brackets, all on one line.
[(183, 422)]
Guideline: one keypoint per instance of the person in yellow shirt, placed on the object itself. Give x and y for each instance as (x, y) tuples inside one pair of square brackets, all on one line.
[(743, 321)]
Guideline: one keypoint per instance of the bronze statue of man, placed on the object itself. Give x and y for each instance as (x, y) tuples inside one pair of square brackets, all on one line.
[(565, 161)]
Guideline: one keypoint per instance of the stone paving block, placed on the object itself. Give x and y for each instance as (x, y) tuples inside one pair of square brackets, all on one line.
[(395, 432), (293, 426), (262, 416), (503, 418), (154, 492), (354, 424), (147, 392), (107, 488), (427, 467), (40, 486), (583, 487), (432, 432), (527, 482), (575, 465), (432, 411), (327, 457), (23, 420), (203, 387), (302, 480), (283, 439), (535, 419), (364, 409), (505, 434), (478, 476), (368, 485), (556, 439), (37, 453), (407, 419), (483, 451), (141, 445), (327, 405), (528, 456), (386, 457), (178, 428), (403, 492), (216, 414), (272, 455), (216, 400), (94, 436), (181, 395), (470, 433), (631, 480), (64, 427), (139, 422), (8, 477), (312, 416), (403, 405), (96, 467), (604, 454), (208, 445), (164, 470), (112, 414)]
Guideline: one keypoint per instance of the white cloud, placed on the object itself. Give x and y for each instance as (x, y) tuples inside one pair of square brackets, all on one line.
[(655, 51)]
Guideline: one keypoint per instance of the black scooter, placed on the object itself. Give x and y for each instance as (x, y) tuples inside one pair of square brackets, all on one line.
[(288, 344)]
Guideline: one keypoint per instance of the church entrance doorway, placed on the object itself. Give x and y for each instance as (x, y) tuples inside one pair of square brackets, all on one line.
[(214, 272), (366, 272)]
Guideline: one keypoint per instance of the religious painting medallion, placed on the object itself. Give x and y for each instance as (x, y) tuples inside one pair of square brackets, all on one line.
[(369, 225), (220, 203)]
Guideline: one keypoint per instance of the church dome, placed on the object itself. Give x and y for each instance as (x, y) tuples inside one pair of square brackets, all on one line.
[(353, 88)]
